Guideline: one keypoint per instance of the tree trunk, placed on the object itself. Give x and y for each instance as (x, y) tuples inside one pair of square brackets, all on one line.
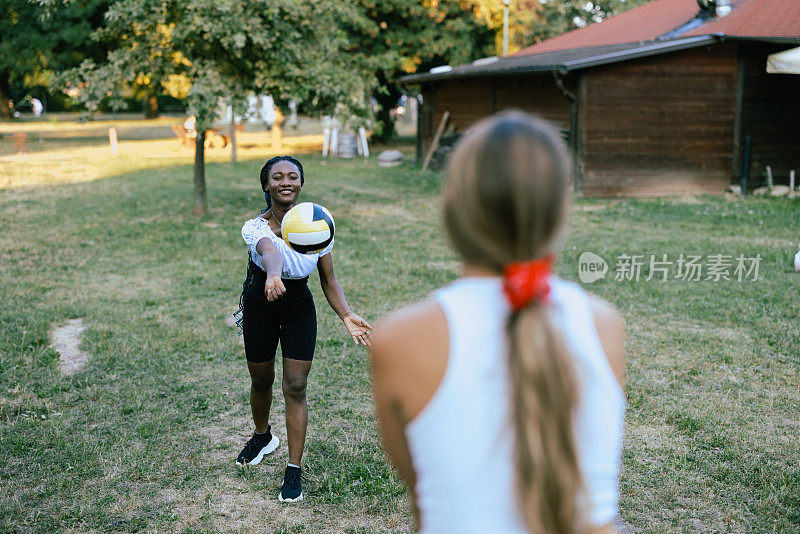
[(5, 96), (277, 130), (151, 108), (277, 137), (200, 201), (233, 136), (386, 94)]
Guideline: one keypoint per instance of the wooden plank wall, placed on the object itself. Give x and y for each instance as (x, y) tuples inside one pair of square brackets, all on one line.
[(425, 127), (662, 125), (472, 99), (468, 100), (536, 94), (770, 115)]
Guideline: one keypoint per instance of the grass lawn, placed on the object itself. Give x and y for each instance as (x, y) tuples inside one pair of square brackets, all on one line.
[(145, 437)]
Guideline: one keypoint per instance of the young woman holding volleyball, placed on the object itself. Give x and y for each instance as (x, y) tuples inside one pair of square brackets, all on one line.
[(499, 397), (277, 306)]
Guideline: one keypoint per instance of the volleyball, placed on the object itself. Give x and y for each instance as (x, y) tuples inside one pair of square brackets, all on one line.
[(307, 228)]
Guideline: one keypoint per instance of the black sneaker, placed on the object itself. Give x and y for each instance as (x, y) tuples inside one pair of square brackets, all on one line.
[(292, 489), (257, 447)]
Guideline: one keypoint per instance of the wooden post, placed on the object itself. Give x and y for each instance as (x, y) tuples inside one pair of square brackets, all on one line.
[(362, 136), (112, 138), (435, 142), (420, 117), (334, 148), (791, 184), (233, 136), (20, 143), (738, 142), (577, 171), (746, 164), (326, 135)]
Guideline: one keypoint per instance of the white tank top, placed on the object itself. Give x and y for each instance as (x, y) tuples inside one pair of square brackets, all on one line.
[(462, 441)]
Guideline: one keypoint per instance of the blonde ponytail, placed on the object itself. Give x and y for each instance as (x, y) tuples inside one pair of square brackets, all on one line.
[(543, 398), (505, 201)]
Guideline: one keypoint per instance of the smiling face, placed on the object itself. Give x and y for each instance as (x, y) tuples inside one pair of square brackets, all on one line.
[(284, 183)]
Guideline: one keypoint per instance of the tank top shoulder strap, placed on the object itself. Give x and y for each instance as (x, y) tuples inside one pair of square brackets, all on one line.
[(464, 302), (451, 299)]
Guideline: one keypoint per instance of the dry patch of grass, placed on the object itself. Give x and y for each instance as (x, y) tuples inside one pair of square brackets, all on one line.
[(73, 128), (66, 341), (89, 163)]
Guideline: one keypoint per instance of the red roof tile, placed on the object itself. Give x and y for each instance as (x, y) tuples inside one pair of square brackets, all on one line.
[(749, 18), (644, 23), (756, 18)]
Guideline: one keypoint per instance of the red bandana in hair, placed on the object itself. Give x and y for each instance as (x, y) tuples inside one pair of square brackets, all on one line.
[(524, 282)]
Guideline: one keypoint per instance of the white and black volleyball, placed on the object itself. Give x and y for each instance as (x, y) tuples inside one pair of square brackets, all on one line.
[(307, 228)]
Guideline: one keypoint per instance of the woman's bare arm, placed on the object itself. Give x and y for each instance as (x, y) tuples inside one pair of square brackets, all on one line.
[(409, 359), (272, 261), (611, 331), (358, 328)]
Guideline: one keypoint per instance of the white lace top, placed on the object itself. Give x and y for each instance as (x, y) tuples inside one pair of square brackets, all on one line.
[(295, 265)]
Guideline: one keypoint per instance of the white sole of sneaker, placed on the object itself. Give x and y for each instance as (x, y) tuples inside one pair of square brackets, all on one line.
[(299, 498), (271, 446)]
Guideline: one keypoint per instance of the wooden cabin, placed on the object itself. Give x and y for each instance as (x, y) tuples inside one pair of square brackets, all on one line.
[(655, 101)]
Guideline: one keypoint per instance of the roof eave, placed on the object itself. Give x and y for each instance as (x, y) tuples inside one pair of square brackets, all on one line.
[(613, 57), (648, 50), (771, 40), (428, 77), (645, 51)]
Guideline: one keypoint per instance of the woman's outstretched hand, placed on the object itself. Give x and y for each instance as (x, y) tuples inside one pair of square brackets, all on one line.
[(274, 288), (358, 328)]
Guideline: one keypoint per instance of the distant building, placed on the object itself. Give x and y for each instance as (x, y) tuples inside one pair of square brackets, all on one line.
[(656, 100)]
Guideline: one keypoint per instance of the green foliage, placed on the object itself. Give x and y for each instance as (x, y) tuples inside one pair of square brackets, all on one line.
[(522, 16), (399, 37), (37, 40), (223, 49), (20, 38)]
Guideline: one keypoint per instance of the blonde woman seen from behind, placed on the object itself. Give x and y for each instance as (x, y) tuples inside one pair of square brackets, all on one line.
[(499, 397)]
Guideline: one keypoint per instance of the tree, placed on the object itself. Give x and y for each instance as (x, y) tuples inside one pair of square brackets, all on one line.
[(399, 37), (18, 48), (212, 50), (523, 15), (38, 40)]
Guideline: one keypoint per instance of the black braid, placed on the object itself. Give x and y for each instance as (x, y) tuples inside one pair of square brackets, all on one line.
[(239, 314)]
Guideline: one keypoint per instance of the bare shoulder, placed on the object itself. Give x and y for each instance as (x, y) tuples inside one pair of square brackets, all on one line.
[(409, 354), (611, 330), (401, 327), (403, 333)]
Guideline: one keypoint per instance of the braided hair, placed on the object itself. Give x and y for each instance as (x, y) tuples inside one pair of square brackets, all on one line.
[(239, 314)]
